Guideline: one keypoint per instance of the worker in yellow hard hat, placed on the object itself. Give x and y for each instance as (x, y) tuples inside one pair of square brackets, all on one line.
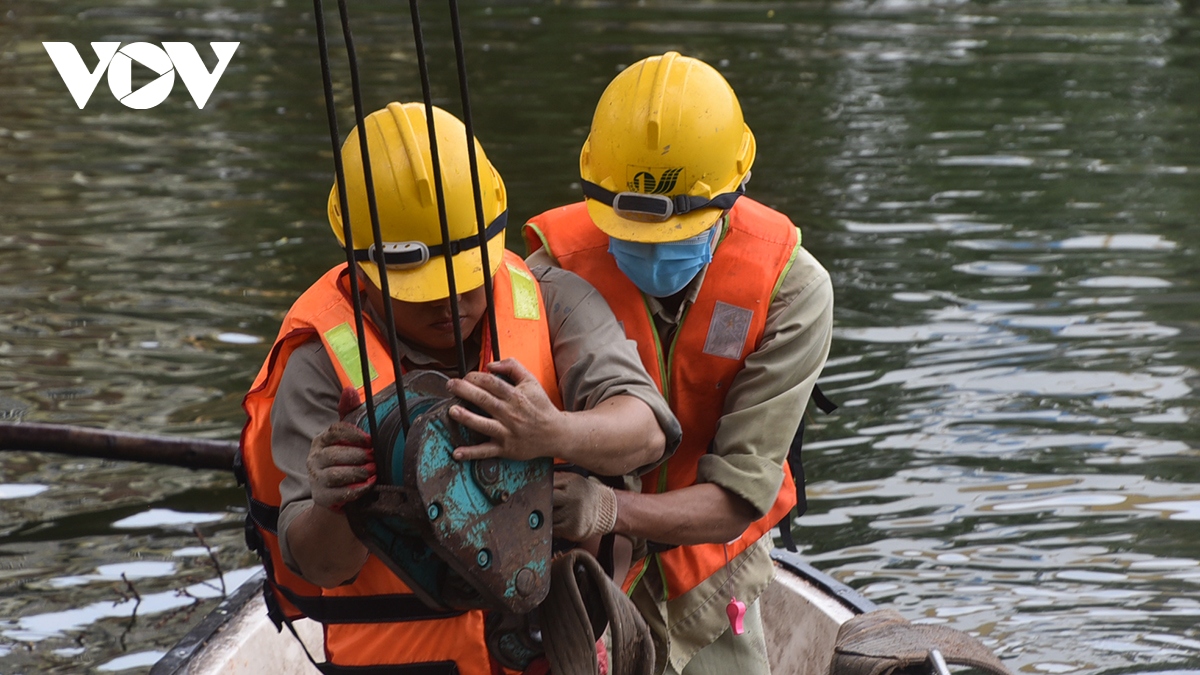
[(566, 386), (732, 318)]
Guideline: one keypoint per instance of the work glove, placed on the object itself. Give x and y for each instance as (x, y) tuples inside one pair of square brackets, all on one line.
[(341, 463), (583, 507)]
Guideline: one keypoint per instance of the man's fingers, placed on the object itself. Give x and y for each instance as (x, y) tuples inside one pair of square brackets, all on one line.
[(340, 455), (492, 384), (512, 369), (484, 425), (342, 433), (345, 476), (559, 499), (469, 392), (563, 495), (357, 489), (335, 498), (481, 451)]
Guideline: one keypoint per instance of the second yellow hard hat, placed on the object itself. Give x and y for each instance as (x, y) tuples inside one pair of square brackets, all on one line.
[(667, 129)]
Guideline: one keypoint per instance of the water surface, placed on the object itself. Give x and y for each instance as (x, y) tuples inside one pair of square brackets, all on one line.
[(1005, 194)]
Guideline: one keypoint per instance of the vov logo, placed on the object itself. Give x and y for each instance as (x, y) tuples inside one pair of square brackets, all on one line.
[(171, 58)]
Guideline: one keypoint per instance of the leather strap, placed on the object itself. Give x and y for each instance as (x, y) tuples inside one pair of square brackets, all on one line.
[(582, 602)]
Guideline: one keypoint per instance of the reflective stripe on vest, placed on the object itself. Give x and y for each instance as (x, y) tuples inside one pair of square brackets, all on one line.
[(695, 372), (376, 621)]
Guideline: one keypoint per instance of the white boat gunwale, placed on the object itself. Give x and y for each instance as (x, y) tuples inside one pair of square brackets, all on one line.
[(823, 604)]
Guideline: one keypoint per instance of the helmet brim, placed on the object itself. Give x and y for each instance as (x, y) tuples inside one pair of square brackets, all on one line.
[(676, 228), (428, 283)]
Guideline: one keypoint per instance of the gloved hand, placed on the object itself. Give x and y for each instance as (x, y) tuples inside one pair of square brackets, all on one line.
[(341, 465), (583, 507)]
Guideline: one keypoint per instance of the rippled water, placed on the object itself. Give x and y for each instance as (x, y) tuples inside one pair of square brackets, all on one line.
[(1006, 194)]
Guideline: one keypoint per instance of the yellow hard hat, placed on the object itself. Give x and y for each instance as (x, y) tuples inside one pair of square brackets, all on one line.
[(402, 173), (668, 151)]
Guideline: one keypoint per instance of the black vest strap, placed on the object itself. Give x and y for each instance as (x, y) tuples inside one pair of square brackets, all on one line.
[(797, 467), (428, 668), (264, 515), (396, 608), (818, 397), (796, 464)]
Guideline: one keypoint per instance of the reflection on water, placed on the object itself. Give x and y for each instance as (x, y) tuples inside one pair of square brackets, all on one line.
[(1005, 194)]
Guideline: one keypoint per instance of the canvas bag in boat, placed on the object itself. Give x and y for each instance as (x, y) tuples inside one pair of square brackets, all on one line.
[(375, 620), (722, 327)]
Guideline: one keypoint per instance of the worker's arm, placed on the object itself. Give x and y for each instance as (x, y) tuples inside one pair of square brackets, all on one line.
[(585, 508), (315, 542), (613, 419), (616, 437), (324, 549), (738, 481), (697, 514), (341, 468)]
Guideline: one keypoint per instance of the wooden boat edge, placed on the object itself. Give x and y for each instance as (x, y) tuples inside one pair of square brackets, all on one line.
[(218, 643)]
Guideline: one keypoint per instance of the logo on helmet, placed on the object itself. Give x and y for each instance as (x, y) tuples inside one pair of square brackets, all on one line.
[(644, 181)]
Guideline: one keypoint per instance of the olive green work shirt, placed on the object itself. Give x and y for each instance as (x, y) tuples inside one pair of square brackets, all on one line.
[(762, 412), (593, 359)]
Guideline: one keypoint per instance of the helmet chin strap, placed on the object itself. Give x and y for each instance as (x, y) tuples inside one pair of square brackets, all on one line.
[(657, 208)]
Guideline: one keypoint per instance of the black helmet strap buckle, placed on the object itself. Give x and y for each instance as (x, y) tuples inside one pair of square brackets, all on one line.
[(396, 254), (657, 208), (410, 254)]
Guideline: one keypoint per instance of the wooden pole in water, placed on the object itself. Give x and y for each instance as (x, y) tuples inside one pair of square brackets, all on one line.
[(191, 453)]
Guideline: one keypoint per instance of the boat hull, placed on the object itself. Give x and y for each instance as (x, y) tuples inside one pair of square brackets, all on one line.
[(802, 610)]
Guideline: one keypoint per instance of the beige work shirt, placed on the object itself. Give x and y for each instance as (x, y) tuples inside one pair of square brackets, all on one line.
[(593, 359), (762, 411)]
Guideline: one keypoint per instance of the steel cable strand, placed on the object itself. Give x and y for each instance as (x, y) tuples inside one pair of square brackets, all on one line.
[(381, 262), (464, 93), (439, 189), (347, 233)]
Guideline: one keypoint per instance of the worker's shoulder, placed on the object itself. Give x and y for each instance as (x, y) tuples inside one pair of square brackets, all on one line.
[(806, 278), (563, 292), (549, 275), (806, 269)]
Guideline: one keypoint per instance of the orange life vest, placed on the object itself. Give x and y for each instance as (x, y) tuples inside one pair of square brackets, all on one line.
[(375, 621), (694, 374)]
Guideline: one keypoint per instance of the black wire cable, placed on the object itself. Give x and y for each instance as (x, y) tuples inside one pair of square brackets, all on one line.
[(347, 233), (419, 39), (461, 59), (381, 264)]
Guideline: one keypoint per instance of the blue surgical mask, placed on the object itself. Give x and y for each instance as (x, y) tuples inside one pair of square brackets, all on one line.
[(661, 270)]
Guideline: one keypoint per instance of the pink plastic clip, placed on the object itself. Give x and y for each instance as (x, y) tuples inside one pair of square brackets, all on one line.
[(736, 610)]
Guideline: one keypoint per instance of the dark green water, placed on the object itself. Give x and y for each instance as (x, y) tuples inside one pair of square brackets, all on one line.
[(1005, 192)]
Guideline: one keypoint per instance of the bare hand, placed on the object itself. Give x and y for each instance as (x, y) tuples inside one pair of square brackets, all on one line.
[(341, 465), (524, 424)]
